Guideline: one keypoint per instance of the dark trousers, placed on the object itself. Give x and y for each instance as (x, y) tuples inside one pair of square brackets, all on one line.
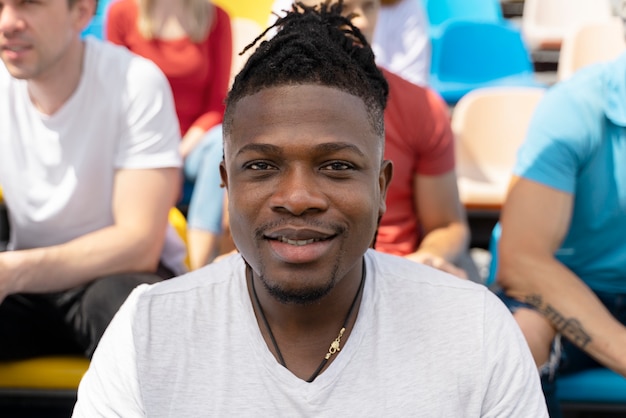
[(68, 322)]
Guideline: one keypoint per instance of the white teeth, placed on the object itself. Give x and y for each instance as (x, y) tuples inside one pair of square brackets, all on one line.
[(297, 242), (16, 48)]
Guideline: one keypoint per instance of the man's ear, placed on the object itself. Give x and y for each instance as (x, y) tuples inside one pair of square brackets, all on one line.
[(223, 175), (384, 179), (83, 11)]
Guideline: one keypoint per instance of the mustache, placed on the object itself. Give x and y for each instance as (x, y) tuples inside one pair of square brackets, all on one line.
[(261, 230)]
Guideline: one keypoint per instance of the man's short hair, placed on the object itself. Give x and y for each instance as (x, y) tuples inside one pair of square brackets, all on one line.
[(71, 3), (313, 45)]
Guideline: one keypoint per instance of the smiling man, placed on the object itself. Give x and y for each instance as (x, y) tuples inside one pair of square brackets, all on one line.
[(306, 320)]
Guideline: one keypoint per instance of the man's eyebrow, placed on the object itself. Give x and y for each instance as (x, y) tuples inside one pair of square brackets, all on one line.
[(330, 147), (327, 147), (260, 148)]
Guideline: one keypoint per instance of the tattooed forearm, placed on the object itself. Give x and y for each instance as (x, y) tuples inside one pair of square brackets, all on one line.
[(569, 327)]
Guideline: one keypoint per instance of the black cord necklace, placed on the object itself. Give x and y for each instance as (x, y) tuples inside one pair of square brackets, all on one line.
[(334, 346)]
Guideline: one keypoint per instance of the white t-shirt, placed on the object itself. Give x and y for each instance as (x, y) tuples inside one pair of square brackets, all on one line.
[(401, 43), (424, 344), (57, 171)]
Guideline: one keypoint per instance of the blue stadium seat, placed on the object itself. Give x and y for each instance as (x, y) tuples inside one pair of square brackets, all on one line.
[(96, 26), (493, 250), (597, 386), (470, 55), (439, 12)]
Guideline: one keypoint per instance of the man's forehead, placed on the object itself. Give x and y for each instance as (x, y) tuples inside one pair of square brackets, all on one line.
[(302, 112), (347, 3), (292, 100)]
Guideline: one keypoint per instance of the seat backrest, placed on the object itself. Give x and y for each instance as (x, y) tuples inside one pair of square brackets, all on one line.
[(178, 221), (590, 43), (476, 52), (255, 10), (440, 11), (489, 125), (96, 26), (554, 18)]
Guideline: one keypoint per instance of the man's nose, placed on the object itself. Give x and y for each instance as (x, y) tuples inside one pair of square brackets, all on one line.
[(10, 20), (299, 192)]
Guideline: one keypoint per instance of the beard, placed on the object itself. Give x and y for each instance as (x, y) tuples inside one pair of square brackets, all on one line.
[(301, 296), (304, 295)]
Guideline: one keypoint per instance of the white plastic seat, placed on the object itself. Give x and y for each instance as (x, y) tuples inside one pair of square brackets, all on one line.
[(590, 43), (489, 125), (546, 22)]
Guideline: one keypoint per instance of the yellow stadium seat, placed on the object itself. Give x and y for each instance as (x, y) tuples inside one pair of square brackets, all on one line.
[(179, 222), (43, 373), (256, 10)]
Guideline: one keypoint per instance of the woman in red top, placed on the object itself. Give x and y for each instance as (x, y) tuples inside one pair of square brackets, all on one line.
[(191, 41)]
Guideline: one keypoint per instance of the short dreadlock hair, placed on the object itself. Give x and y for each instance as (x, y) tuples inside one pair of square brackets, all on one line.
[(313, 45)]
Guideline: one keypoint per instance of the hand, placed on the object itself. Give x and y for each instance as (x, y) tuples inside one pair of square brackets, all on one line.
[(437, 262)]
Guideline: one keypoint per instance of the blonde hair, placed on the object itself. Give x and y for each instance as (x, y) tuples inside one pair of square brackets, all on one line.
[(197, 18)]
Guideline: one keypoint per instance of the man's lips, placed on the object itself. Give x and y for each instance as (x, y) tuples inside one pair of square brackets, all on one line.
[(299, 237), (300, 246), (13, 51), (14, 44), (298, 242), (14, 48)]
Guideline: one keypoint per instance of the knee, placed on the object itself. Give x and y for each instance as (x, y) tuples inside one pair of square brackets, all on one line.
[(538, 332)]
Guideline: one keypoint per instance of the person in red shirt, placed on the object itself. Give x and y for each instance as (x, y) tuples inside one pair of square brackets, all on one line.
[(425, 220), (191, 42)]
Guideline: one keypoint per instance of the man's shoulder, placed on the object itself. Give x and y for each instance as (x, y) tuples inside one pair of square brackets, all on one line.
[(410, 275), (124, 6), (585, 93), (400, 285), (571, 114), (397, 82), (411, 99), (110, 62), (210, 278), (208, 292)]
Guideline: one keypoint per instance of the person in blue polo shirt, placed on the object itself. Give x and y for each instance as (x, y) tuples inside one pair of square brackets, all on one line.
[(562, 262)]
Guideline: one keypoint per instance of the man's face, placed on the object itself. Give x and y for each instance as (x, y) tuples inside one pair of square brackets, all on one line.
[(366, 12), (306, 183), (35, 35)]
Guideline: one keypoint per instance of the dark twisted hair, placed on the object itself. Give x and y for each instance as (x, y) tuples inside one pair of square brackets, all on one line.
[(313, 45)]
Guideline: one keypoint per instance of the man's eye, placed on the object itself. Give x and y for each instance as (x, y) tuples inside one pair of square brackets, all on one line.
[(338, 166), (259, 165)]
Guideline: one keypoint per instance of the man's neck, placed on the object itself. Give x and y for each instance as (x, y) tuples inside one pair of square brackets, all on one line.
[(309, 317), (51, 89), (304, 333)]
